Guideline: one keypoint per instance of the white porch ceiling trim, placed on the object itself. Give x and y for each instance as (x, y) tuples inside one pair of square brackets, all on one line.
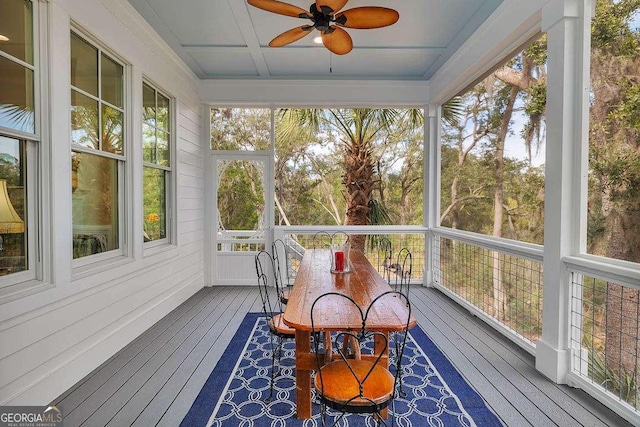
[(507, 29), (316, 93)]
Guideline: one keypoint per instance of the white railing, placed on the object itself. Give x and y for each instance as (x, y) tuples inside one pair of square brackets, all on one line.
[(299, 238), (605, 341), (240, 240), (604, 307), (498, 280)]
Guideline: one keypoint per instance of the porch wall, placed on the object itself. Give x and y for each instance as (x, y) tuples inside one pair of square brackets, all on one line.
[(53, 338)]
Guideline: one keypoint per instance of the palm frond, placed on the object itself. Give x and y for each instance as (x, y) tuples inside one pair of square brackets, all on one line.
[(453, 111), (17, 117)]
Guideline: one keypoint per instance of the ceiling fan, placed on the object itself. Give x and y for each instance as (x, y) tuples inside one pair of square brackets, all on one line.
[(326, 17)]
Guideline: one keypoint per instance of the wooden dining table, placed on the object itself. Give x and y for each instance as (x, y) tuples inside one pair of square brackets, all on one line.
[(363, 284)]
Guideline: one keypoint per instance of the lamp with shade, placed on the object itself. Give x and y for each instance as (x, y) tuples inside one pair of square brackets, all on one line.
[(10, 221)]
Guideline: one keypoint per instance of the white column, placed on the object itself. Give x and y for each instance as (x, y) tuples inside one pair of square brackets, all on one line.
[(135, 168), (567, 25), (59, 186), (210, 213), (431, 184)]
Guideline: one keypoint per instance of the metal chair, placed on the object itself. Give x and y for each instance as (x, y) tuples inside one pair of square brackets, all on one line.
[(385, 255), (355, 378), (340, 238), (272, 309), (402, 270), (280, 262), (322, 240)]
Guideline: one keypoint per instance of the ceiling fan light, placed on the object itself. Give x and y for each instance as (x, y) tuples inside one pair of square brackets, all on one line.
[(317, 39)]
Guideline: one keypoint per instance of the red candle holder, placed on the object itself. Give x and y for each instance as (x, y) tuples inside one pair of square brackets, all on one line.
[(340, 258)]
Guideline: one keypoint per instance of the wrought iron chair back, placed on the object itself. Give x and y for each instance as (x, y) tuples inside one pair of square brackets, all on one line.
[(403, 269), (385, 255), (322, 240), (272, 310), (340, 238), (281, 269), (357, 380)]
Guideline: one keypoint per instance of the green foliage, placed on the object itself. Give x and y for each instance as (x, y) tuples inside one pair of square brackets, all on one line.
[(610, 29), (240, 196), (619, 382), (240, 128), (346, 152)]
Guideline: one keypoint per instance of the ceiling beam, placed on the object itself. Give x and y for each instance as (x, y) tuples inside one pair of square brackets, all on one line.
[(241, 15)]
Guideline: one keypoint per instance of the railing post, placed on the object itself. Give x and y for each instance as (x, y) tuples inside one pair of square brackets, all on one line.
[(567, 25), (431, 187)]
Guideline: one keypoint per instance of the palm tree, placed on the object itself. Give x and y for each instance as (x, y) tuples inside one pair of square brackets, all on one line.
[(359, 130)]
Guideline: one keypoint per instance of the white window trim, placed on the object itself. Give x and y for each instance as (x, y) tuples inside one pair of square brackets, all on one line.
[(37, 170), (105, 260), (154, 246)]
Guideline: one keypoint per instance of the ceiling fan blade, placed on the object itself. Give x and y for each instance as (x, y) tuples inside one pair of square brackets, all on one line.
[(338, 41), (335, 5), (279, 7), (367, 17), (290, 36)]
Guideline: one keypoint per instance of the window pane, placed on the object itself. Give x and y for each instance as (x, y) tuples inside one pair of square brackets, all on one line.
[(148, 104), (16, 25), (163, 113), (16, 96), (94, 184), (13, 209), (84, 120), (245, 129), (162, 147), (84, 65), (148, 143), (112, 120), (155, 211), (111, 81)]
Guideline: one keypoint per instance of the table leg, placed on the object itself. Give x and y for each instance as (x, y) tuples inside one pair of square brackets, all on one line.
[(303, 375)]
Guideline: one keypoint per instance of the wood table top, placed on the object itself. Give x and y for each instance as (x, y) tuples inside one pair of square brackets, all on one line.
[(363, 284)]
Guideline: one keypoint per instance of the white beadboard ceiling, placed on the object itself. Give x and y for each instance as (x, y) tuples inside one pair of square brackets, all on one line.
[(228, 39)]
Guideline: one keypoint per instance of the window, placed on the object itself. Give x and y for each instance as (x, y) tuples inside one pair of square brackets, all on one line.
[(17, 66), (98, 152), (156, 155), (18, 140)]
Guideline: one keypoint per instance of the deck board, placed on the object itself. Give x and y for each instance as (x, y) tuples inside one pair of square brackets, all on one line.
[(159, 333), (156, 378)]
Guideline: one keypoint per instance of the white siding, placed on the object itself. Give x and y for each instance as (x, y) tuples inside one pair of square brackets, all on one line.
[(51, 339)]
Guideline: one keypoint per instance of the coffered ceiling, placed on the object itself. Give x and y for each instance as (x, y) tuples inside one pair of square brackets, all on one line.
[(229, 39)]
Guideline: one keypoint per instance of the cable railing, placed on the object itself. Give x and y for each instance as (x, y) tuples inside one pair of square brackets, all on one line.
[(501, 281), (605, 341)]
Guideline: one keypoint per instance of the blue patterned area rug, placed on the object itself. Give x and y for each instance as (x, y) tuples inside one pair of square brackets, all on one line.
[(234, 394)]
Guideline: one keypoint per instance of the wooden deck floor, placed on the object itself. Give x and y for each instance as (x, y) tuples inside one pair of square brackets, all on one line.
[(155, 379)]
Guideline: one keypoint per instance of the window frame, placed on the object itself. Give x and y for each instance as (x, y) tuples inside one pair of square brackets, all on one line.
[(22, 283), (169, 183), (123, 249)]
